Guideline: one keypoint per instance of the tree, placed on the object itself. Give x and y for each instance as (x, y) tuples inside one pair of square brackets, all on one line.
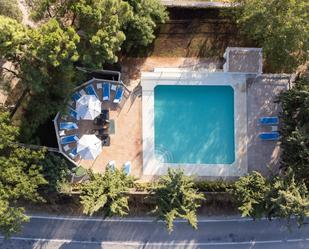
[(20, 177), (280, 27), (289, 199), (250, 191), (10, 8), (43, 59), (295, 129), (175, 197), (279, 197), (55, 171), (140, 28), (106, 192), (103, 25)]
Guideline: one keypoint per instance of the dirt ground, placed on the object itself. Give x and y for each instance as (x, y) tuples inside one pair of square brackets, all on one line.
[(192, 38)]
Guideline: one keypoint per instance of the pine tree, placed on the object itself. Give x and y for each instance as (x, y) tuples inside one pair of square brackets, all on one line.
[(20, 177), (175, 197), (106, 192)]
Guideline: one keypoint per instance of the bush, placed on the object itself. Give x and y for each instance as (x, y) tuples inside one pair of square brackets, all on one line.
[(10, 8)]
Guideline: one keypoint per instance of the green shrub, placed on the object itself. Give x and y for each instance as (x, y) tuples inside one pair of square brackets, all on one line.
[(10, 8)]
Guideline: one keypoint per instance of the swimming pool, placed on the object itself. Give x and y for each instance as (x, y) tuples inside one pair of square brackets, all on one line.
[(194, 124)]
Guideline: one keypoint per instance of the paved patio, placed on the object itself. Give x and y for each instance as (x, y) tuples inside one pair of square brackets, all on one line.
[(260, 100), (126, 143)]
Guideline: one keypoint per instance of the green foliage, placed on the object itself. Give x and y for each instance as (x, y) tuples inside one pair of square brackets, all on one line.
[(289, 199), (250, 192), (294, 132), (280, 27), (55, 171), (103, 25), (106, 192), (44, 60), (20, 177), (280, 197), (139, 29), (10, 8), (175, 196)]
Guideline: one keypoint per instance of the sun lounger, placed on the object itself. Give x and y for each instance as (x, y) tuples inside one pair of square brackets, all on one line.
[(106, 91), (111, 165), (90, 91), (274, 135), (73, 154), (269, 120), (69, 139), (68, 126), (118, 95), (127, 167), (73, 113), (76, 96)]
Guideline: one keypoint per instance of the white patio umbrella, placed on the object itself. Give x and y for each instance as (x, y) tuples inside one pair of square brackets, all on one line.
[(88, 107), (89, 147)]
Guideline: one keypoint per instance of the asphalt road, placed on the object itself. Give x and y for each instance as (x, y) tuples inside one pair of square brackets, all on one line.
[(44, 232)]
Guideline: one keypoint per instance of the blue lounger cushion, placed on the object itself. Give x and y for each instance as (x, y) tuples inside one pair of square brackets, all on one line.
[(106, 91), (269, 135), (73, 154), (73, 113), (76, 96), (90, 91), (118, 94), (69, 139), (68, 126), (269, 120), (127, 168)]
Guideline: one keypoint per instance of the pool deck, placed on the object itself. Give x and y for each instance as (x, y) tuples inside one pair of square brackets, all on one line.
[(127, 142), (261, 96), (153, 166)]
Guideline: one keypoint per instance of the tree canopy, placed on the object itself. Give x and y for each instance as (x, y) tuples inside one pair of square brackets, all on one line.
[(278, 197), (280, 27), (106, 192), (20, 177), (43, 61), (103, 25), (294, 132), (175, 197)]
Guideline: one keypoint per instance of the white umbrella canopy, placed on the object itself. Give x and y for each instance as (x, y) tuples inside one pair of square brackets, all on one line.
[(89, 147), (88, 107)]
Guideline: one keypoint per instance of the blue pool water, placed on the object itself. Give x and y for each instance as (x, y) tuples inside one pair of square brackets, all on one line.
[(194, 124)]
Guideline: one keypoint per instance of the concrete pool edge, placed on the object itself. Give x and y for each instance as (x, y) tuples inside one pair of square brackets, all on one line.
[(238, 81)]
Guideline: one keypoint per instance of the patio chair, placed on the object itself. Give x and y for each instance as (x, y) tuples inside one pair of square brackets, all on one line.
[(69, 139), (90, 91), (127, 168), (82, 92), (269, 136), (66, 147), (118, 95), (68, 126), (106, 91), (106, 140), (61, 133), (73, 113), (269, 120), (73, 154), (76, 96)]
